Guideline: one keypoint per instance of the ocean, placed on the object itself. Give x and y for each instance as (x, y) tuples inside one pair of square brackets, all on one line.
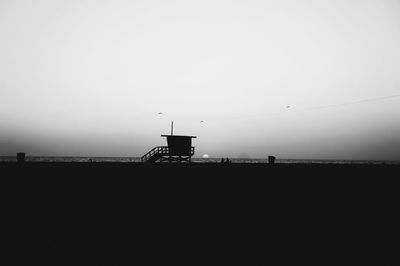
[(196, 160)]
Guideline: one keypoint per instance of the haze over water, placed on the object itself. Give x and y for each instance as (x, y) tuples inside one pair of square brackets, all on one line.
[(60, 159)]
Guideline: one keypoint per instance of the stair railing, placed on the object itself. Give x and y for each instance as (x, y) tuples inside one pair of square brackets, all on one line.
[(157, 150)]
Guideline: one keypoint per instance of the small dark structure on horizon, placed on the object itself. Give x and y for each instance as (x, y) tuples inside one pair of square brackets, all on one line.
[(271, 159), (179, 149), (20, 157)]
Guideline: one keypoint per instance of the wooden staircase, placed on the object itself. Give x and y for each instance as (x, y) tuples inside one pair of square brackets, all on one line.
[(155, 154), (161, 153)]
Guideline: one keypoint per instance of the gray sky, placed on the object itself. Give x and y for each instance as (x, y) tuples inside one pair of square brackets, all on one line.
[(89, 78)]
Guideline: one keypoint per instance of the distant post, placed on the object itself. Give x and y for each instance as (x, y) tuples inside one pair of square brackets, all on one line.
[(271, 159), (20, 157)]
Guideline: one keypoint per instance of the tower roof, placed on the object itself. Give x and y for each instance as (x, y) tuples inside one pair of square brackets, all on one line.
[(178, 136)]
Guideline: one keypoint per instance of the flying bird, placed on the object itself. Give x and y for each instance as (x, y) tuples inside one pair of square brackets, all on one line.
[(160, 113), (201, 121), (288, 106)]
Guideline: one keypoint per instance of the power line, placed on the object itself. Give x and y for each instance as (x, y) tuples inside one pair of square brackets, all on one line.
[(355, 102), (293, 109)]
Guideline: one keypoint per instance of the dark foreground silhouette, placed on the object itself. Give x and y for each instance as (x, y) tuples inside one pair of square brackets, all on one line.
[(200, 214)]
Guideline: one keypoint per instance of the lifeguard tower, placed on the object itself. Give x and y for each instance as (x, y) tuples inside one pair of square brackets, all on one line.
[(179, 149)]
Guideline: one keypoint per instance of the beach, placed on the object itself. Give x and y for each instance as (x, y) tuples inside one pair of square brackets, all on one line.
[(200, 213)]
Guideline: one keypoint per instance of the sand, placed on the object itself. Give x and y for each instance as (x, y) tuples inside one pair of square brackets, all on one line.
[(200, 214)]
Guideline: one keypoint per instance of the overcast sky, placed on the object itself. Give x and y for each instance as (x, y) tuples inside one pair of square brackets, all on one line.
[(294, 79)]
